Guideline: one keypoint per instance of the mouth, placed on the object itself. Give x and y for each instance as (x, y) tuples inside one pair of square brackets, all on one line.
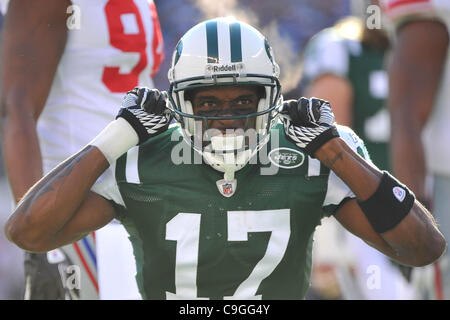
[(227, 143), (224, 131)]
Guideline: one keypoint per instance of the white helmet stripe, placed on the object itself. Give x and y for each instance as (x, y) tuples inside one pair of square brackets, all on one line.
[(224, 43)]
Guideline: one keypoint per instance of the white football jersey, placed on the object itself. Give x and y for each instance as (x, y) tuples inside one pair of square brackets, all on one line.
[(437, 132), (112, 46)]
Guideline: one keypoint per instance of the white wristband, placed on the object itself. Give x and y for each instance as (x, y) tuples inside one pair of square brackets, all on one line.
[(116, 139)]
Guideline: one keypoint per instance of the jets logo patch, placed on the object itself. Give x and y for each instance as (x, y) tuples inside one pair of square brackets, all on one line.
[(286, 158)]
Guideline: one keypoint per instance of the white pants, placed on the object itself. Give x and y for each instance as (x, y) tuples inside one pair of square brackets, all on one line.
[(433, 281), (362, 272), (116, 264)]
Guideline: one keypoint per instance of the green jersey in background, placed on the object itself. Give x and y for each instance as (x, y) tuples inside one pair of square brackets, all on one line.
[(329, 52)]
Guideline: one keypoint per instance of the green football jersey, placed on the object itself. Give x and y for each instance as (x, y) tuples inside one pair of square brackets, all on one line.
[(192, 242), (364, 67)]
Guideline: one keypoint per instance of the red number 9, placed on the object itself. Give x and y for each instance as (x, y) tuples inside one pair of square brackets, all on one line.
[(115, 81)]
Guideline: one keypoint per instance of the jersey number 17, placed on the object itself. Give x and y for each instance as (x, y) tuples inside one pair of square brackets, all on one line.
[(185, 229)]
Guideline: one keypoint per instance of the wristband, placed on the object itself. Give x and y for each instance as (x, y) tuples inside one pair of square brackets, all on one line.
[(138, 127), (116, 139), (320, 140), (390, 203)]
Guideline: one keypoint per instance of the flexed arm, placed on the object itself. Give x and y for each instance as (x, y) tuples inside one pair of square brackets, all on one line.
[(385, 213), (60, 208)]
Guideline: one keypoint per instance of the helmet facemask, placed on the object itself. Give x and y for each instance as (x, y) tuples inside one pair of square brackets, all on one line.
[(216, 54), (228, 149)]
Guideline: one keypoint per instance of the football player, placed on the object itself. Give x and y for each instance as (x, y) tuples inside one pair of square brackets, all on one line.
[(224, 204), (419, 78), (65, 66)]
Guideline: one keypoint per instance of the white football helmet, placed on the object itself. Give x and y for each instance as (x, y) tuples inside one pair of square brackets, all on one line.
[(224, 52)]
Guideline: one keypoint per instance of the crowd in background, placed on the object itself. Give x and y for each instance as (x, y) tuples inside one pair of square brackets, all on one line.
[(288, 25)]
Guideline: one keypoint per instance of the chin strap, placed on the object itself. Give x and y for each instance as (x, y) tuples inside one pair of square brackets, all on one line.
[(227, 161), (229, 174)]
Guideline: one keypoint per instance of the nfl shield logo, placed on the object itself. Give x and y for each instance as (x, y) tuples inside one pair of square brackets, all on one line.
[(227, 188)]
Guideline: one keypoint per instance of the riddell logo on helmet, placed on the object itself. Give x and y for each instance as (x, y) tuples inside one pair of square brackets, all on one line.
[(210, 68), (225, 67)]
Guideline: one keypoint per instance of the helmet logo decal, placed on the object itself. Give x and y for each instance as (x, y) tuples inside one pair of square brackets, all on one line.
[(269, 50), (179, 48), (212, 42)]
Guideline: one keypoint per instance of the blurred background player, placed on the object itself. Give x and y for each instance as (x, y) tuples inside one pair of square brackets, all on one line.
[(69, 56), (419, 103), (345, 64)]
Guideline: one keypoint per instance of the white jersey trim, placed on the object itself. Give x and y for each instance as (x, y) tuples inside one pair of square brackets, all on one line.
[(106, 186), (131, 167), (313, 167)]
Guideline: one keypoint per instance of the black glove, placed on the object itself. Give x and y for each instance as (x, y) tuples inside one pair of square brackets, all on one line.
[(309, 123), (146, 111)]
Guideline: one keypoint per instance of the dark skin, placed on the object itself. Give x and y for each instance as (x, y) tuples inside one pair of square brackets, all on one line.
[(33, 41), (217, 102), (414, 76), (54, 212), (34, 36)]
